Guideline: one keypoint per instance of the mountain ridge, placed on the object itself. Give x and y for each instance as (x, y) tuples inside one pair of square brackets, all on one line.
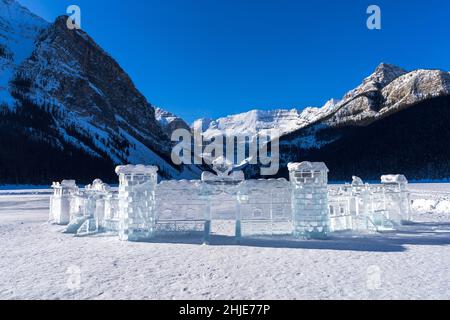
[(331, 132), (383, 76)]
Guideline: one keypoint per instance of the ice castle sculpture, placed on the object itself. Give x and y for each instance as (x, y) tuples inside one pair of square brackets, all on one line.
[(305, 207), (87, 209), (364, 207)]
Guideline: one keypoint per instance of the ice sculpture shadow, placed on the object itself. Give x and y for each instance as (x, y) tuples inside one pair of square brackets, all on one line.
[(415, 234)]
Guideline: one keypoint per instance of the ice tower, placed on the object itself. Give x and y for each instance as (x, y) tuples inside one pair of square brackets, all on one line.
[(397, 200), (137, 218), (309, 192), (60, 201)]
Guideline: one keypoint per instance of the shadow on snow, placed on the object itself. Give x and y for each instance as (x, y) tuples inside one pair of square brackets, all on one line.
[(414, 234)]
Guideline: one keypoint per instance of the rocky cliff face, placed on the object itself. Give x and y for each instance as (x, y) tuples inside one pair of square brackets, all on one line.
[(68, 70), (90, 105), (388, 90)]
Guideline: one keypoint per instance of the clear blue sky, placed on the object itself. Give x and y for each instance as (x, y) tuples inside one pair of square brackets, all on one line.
[(212, 58)]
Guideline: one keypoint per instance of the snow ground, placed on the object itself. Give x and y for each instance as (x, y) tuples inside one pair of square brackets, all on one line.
[(38, 262)]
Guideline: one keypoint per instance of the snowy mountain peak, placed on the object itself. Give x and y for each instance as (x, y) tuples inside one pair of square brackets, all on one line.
[(163, 115), (169, 122), (254, 121), (201, 124), (250, 122), (385, 73), (388, 90), (17, 17), (330, 104)]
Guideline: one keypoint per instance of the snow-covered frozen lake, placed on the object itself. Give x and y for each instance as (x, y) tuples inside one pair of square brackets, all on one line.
[(39, 262)]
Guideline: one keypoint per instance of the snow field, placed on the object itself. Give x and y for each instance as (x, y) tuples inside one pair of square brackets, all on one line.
[(39, 262)]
